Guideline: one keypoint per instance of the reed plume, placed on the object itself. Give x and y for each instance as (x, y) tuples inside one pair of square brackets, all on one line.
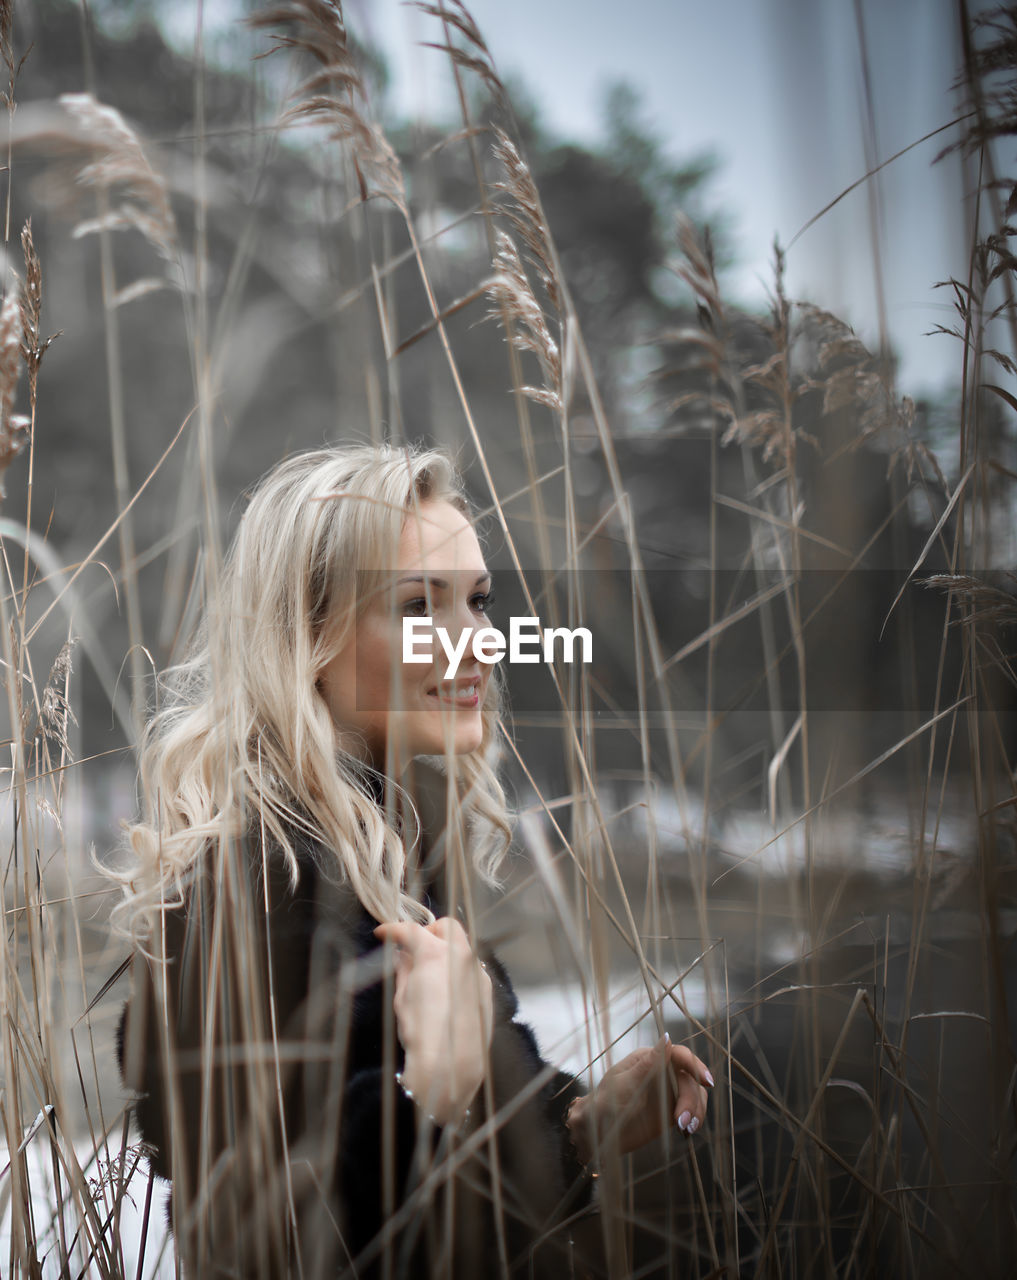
[(121, 173), (335, 94), (13, 427), (33, 345), (474, 54)]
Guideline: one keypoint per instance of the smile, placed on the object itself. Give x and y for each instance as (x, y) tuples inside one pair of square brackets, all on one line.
[(463, 695)]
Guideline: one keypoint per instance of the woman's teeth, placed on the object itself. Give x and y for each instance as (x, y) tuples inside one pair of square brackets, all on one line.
[(465, 693)]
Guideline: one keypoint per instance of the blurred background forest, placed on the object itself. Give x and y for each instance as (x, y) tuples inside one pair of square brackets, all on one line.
[(792, 775), (293, 362)]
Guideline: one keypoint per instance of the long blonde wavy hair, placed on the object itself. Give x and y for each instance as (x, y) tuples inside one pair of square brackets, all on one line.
[(245, 736)]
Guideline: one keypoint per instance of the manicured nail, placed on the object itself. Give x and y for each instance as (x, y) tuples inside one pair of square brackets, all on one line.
[(667, 1037), (709, 1077), (693, 1124), (683, 1119)]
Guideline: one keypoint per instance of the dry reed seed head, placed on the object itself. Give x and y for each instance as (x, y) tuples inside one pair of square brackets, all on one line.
[(698, 256), (378, 169), (12, 64), (765, 428), (13, 438), (121, 170), (13, 427), (457, 15), (848, 376), (512, 295), (696, 348), (31, 290), (524, 211), (1005, 362), (834, 340), (917, 457), (762, 430), (477, 57), (707, 350), (854, 388), (320, 29), (985, 602), (55, 711), (988, 78), (382, 168), (993, 256), (771, 375), (335, 94), (10, 350), (33, 348)]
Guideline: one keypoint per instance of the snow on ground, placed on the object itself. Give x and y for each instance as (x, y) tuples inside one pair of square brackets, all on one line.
[(100, 1173), (571, 1032)]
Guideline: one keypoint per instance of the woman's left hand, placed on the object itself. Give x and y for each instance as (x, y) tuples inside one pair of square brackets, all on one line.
[(626, 1110)]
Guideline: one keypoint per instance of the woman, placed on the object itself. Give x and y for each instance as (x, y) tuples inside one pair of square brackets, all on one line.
[(326, 1061)]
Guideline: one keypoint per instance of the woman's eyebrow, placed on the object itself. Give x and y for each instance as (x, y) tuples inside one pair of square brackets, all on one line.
[(439, 582)]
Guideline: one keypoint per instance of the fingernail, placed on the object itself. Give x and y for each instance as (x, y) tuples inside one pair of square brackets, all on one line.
[(683, 1119), (709, 1077), (693, 1124), (667, 1037)]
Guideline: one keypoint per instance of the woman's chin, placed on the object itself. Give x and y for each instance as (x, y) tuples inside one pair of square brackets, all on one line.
[(461, 745), (457, 741)]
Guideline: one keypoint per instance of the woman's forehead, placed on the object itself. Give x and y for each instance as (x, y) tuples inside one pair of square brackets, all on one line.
[(438, 537)]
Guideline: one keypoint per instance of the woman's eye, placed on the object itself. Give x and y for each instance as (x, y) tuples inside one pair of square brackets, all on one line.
[(416, 608), (481, 603)]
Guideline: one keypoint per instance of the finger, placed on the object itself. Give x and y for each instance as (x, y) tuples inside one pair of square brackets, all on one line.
[(402, 933), (641, 1065), (690, 1109), (683, 1059), (448, 928)]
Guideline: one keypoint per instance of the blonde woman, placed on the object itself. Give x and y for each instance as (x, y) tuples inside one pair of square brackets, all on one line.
[(325, 1060)]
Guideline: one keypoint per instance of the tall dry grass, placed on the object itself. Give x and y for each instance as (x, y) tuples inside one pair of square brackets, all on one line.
[(864, 1120)]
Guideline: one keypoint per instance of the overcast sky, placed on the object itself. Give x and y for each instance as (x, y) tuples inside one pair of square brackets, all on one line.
[(776, 88)]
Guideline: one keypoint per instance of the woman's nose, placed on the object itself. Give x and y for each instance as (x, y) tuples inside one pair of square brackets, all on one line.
[(459, 617)]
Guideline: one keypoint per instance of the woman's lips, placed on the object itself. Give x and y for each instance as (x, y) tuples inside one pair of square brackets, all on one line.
[(460, 694)]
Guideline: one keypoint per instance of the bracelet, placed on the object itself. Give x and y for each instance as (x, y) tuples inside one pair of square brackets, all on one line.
[(459, 1128)]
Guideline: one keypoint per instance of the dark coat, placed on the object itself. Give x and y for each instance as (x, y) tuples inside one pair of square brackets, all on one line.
[(333, 1161)]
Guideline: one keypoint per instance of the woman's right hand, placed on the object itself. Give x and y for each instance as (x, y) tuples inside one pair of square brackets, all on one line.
[(444, 1012)]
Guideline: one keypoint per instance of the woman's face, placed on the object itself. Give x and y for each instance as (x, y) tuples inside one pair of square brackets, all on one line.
[(440, 574)]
